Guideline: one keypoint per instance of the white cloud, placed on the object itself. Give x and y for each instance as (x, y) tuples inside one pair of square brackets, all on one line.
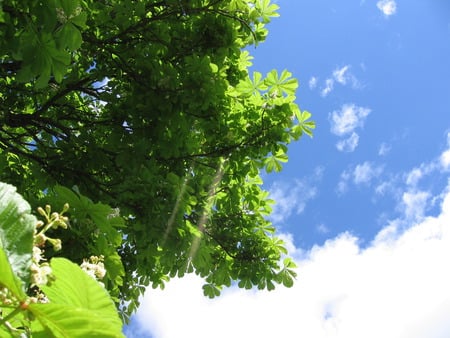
[(415, 203), (413, 177), (340, 74), (364, 173), (329, 85), (445, 160), (344, 122), (385, 187), (290, 198), (342, 186), (396, 287), (348, 144), (322, 229), (347, 119), (445, 156), (384, 149), (388, 7), (313, 82)]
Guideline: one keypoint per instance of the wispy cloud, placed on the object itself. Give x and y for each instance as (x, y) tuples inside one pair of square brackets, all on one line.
[(388, 7), (364, 173), (342, 287), (313, 82), (322, 229), (349, 144), (384, 149), (291, 197), (342, 76), (329, 85), (345, 121), (406, 188)]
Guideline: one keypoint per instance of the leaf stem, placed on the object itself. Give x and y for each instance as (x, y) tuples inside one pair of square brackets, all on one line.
[(10, 315)]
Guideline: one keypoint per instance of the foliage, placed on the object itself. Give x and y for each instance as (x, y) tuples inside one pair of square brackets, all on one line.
[(143, 116), (65, 301)]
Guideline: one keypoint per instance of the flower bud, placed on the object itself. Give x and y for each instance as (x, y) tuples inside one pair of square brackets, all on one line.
[(65, 207), (41, 211), (57, 244), (39, 240)]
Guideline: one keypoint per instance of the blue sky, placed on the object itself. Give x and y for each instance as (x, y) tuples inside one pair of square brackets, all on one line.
[(365, 205)]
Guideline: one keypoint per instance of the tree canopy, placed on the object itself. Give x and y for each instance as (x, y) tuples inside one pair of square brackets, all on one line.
[(143, 116)]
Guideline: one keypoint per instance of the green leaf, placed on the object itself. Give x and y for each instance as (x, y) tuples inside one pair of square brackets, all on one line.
[(69, 36), (66, 321), (66, 195), (283, 84), (274, 162), (114, 268), (267, 10), (211, 290), (80, 294), (16, 231), (80, 20), (303, 126), (248, 87), (8, 279), (245, 283)]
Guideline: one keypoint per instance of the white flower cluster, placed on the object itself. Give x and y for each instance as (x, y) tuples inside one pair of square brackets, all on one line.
[(94, 267), (41, 273)]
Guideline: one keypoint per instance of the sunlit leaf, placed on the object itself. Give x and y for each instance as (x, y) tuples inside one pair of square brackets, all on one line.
[(16, 232)]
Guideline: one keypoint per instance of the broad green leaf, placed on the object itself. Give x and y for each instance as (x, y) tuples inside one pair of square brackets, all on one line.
[(274, 162), (114, 268), (8, 279), (66, 195), (267, 10), (258, 81), (245, 283), (16, 231), (289, 263), (244, 60), (4, 332), (303, 126), (70, 7), (270, 285), (80, 20), (211, 290), (69, 36), (66, 321), (75, 288), (283, 84)]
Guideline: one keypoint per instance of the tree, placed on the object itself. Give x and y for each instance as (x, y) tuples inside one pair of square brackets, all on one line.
[(143, 116)]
